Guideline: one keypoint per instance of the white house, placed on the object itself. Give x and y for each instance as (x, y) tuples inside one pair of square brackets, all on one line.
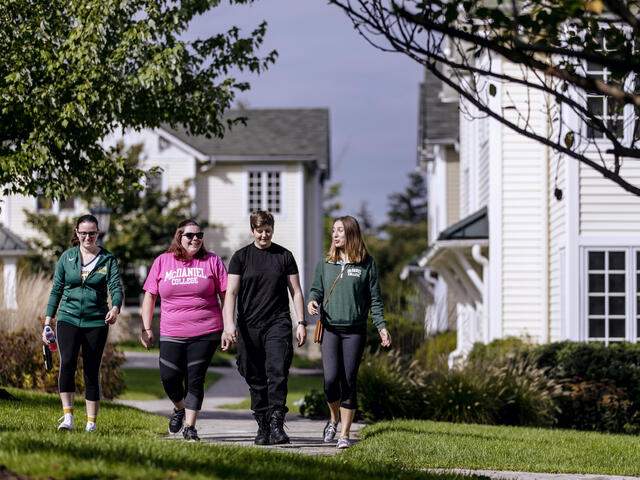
[(506, 257), (279, 161)]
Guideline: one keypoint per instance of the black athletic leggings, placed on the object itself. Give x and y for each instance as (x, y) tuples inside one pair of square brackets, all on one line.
[(92, 340), (183, 366), (341, 355)]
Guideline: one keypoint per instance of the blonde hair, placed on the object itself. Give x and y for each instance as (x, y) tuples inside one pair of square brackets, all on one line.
[(354, 244)]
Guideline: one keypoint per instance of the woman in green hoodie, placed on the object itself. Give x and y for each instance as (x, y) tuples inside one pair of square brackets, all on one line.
[(79, 295), (345, 287)]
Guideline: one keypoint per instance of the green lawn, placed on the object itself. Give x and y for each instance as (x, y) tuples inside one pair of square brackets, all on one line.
[(144, 383), (131, 444), (220, 358), (298, 385), (421, 444)]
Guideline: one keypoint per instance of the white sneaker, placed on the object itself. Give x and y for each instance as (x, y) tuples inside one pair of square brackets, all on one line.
[(67, 422), (91, 427), (343, 442)]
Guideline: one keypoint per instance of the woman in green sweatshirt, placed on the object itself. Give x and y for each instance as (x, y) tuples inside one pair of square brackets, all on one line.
[(79, 295), (345, 287)]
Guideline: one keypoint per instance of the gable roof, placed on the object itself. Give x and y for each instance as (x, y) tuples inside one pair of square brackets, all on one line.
[(10, 243), (474, 226), (299, 133)]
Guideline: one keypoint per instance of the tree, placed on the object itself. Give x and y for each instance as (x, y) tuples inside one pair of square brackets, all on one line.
[(365, 218), (330, 207), (72, 71), (409, 206), (581, 56)]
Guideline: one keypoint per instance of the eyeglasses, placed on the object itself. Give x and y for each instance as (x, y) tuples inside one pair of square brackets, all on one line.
[(90, 234), (190, 235)]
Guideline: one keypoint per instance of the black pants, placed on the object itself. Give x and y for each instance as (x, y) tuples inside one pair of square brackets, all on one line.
[(183, 367), (341, 356), (92, 340), (264, 358)]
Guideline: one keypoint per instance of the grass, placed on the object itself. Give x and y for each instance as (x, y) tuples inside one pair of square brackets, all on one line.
[(130, 444), (144, 383), (447, 445), (298, 386)]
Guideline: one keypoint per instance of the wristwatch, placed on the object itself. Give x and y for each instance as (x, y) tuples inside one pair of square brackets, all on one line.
[(303, 323)]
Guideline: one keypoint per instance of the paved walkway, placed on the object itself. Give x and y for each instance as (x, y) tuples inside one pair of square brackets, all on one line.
[(238, 427)]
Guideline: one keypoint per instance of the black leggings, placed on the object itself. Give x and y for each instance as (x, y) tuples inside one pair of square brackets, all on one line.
[(92, 340), (183, 366), (341, 355)]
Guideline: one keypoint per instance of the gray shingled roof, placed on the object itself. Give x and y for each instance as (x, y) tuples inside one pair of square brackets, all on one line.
[(10, 243), (302, 132), (438, 120)]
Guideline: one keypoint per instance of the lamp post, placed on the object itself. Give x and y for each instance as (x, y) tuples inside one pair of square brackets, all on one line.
[(103, 214)]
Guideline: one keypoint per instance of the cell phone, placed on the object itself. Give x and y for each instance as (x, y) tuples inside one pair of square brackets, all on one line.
[(48, 358)]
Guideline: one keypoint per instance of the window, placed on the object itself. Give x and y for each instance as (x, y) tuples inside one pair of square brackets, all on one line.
[(67, 203), (43, 204), (606, 295), (264, 191), (154, 182)]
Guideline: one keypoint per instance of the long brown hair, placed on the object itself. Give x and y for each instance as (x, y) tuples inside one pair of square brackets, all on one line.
[(176, 246), (354, 244)]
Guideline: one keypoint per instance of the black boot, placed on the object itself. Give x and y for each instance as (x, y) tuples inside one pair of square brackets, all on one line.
[(262, 437), (276, 422)]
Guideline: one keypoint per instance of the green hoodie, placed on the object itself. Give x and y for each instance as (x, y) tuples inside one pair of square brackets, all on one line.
[(84, 304), (354, 293)]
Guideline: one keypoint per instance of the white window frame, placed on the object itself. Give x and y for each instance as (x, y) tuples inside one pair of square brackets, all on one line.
[(631, 293), (264, 170)]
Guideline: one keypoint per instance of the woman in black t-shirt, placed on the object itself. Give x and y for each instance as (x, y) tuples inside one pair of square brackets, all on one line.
[(260, 275)]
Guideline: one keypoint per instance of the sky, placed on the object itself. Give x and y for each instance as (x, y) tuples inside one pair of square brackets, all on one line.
[(372, 96)]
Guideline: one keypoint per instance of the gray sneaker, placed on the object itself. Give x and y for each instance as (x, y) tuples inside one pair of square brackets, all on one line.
[(343, 442), (329, 431)]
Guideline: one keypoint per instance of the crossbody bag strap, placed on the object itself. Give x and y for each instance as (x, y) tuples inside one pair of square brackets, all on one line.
[(334, 284)]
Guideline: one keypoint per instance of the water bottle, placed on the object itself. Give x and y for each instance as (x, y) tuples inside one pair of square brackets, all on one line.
[(51, 338)]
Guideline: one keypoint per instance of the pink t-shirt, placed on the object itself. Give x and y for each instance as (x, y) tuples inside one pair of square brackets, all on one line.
[(188, 291)]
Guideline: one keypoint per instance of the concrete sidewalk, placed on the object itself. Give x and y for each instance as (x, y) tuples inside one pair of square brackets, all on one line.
[(236, 427)]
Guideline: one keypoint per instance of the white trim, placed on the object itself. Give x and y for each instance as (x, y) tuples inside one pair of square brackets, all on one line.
[(161, 132), (5, 210), (302, 226), (572, 324), (545, 327), (495, 212)]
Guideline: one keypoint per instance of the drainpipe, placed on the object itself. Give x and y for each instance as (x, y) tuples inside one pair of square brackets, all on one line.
[(477, 256)]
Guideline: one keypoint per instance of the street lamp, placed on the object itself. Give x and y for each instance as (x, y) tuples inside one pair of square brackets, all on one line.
[(103, 214)]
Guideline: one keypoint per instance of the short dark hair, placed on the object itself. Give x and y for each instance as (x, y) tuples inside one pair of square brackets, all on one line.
[(260, 218)]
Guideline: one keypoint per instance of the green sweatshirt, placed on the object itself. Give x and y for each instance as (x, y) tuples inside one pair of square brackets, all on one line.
[(354, 294), (84, 304)]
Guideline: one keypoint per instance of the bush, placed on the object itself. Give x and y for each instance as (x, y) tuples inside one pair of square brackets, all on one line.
[(314, 405), (436, 350), (406, 334), (22, 366), (498, 350), (390, 386)]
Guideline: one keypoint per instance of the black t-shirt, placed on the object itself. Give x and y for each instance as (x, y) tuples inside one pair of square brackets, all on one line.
[(263, 295)]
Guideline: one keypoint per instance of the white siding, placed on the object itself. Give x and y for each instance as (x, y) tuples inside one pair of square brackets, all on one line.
[(523, 262), (557, 240), (605, 206)]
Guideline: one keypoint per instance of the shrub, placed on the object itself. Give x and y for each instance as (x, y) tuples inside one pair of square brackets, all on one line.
[(435, 349), (390, 386), (406, 334), (498, 350), (314, 405), (22, 366)]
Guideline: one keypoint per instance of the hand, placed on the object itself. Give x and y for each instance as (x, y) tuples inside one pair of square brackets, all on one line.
[(229, 337), (112, 316), (301, 334), (385, 337), (146, 337), (312, 307), (44, 336)]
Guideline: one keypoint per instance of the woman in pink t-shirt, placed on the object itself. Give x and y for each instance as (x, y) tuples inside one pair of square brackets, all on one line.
[(192, 284)]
